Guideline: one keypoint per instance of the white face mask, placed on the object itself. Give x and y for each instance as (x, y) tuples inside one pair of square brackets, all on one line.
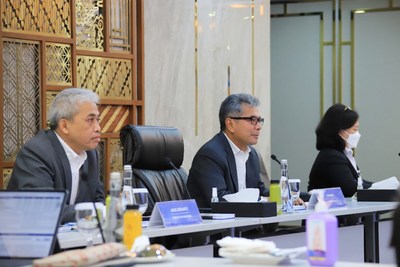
[(353, 139)]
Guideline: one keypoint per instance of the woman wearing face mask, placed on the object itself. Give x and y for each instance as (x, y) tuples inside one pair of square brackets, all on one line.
[(335, 166)]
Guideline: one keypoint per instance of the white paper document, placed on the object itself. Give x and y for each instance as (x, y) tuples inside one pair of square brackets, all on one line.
[(389, 183), (244, 195)]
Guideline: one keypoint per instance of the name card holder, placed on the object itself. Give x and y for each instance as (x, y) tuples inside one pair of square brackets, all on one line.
[(333, 198), (175, 213)]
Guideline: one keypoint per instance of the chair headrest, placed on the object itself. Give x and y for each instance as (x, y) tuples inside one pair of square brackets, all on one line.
[(152, 147)]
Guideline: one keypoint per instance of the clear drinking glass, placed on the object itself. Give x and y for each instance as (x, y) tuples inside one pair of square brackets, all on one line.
[(140, 197), (294, 186), (86, 221)]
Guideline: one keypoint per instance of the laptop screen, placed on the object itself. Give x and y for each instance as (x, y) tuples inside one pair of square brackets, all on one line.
[(29, 222)]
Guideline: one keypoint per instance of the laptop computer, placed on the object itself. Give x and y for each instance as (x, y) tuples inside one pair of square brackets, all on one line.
[(28, 225)]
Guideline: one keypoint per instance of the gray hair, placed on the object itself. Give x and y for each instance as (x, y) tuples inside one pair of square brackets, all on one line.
[(65, 105), (232, 106)]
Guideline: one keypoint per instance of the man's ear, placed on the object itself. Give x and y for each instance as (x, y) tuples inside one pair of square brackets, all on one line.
[(229, 124), (63, 126)]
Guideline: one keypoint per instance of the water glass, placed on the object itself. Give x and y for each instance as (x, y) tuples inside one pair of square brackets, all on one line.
[(294, 186), (86, 221), (140, 197)]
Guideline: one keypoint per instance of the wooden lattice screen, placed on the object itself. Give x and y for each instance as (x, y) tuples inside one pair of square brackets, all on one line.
[(50, 45)]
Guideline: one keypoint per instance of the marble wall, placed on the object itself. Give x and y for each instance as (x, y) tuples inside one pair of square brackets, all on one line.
[(312, 68), (196, 53)]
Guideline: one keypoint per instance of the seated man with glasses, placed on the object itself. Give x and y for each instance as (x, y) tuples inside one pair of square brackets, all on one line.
[(227, 161)]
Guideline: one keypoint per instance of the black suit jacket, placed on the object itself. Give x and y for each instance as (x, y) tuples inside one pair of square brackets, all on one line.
[(395, 240), (43, 164), (332, 168), (214, 166)]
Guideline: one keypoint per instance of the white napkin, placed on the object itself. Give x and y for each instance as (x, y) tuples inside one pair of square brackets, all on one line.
[(244, 195), (389, 183), (244, 245), (140, 243)]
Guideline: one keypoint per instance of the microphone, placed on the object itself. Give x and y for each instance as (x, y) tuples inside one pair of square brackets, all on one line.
[(273, 157), (84, 178), (170, 163)]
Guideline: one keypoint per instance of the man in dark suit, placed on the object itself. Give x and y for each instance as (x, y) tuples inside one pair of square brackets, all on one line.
[(227, 161), (64, 157)]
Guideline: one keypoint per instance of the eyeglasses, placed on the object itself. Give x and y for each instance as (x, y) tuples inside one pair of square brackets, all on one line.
[(253, 119)]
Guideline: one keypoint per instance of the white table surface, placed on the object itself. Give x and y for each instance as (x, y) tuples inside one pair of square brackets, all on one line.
[(353, 207), (73, 239), (221, 262)]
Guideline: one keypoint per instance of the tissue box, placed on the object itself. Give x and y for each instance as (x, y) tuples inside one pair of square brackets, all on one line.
[(245, 209), (377, 195)]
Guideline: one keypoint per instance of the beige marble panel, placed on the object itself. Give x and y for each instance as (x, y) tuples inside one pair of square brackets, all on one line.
[(224, 39), (262, 75), (169, 67)]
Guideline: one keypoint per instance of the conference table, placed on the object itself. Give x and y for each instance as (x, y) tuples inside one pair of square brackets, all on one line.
[(222, 262), (369, 210)]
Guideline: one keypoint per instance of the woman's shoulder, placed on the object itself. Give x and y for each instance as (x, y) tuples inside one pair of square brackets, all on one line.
[(331, 154)]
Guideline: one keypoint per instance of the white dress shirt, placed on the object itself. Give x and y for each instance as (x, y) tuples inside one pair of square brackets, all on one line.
[(75, 161), (240, 159), (349, 154)]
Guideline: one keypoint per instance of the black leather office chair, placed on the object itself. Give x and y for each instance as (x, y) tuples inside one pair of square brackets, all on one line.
[(156, 156)]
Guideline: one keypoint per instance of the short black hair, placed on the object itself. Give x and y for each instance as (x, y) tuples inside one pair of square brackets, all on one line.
[(232, 106), (338, 117)]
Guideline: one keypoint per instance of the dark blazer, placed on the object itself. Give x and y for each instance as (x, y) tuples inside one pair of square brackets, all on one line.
[(43, 164), (214, 166), (395, 240), (332, 168)]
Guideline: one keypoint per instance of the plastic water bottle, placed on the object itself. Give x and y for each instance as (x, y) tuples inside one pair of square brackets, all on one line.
[(114, 211), (287, 204), (127, 197), (359, 183), (322, 236), (214, 195), (359, 186)]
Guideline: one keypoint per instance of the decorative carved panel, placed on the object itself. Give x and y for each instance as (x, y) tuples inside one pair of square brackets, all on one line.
[(49, 17), (115, 155), (113, 118), (102, 160), (21, 94), (46, 48), (110, 78), (6, 176), (89, 24), (120, 16), (50, 95), (58, 64)]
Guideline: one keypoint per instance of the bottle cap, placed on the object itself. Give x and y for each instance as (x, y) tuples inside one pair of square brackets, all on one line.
[(132, 207), (283, 161), (214, 192), (321, 204), (274, 181), (127, 167), (115, 175)]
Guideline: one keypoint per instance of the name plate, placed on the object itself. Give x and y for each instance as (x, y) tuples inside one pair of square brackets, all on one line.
[(333, 198), (175, 213)]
